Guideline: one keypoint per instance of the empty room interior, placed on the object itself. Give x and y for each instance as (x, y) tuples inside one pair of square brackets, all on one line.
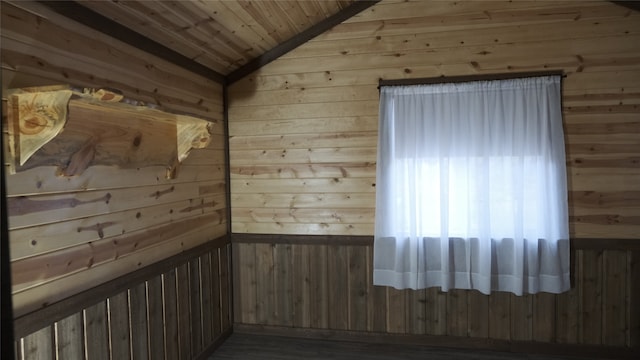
[(281, 179)]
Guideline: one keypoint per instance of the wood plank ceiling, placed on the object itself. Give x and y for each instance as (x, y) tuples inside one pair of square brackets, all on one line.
[(223, 40), (230, 38)]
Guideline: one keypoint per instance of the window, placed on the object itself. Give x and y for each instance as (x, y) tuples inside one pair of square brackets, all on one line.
[(471, 187)]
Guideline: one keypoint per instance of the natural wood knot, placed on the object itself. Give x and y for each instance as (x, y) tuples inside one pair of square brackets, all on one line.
[(137, 140), (33, 124)]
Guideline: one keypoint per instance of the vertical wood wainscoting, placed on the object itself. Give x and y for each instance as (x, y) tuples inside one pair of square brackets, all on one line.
[(290, 286), (181, 310)]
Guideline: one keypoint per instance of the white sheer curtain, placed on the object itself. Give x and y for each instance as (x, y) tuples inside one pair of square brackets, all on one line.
[(471, 187)]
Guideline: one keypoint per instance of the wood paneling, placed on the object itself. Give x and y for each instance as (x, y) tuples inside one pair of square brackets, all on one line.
[(156, 319), (119, 330), (303, 128), (148, 320), (303, 135), (69, 337), (596, 311), (219, 34), (38, 345), (42, 48), (96, 331), (71, 233)]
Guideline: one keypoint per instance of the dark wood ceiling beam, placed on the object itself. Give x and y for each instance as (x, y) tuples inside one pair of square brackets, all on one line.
[(92, 19), (301, 38), (630, 4)]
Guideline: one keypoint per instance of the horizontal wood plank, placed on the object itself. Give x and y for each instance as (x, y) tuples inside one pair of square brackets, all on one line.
[(37, 210), (303, 156), (290, 186), (306, 200), (49, 292)]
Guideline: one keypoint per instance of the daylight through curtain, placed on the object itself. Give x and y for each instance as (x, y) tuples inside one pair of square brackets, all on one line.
[(471, 188)]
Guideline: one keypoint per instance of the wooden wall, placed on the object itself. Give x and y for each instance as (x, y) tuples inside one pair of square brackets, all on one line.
[(328, 286), (70, 234), (178, 313), (303, 135), (40, 47), (303, 128)]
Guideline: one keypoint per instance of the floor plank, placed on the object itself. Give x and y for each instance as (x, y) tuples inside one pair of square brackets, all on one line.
[(263, 347)]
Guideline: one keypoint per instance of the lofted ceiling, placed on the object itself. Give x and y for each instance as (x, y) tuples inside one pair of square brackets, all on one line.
[(221, 39)]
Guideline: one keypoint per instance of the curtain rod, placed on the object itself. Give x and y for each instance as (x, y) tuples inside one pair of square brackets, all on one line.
[(467, 78)]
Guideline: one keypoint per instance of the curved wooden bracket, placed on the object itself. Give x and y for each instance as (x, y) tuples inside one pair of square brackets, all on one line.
[(35, 119)]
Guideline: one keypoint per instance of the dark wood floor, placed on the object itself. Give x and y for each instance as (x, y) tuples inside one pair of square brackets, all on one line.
[(262, 347)]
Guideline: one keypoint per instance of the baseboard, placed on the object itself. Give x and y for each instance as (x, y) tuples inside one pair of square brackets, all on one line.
[(524, 347)]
